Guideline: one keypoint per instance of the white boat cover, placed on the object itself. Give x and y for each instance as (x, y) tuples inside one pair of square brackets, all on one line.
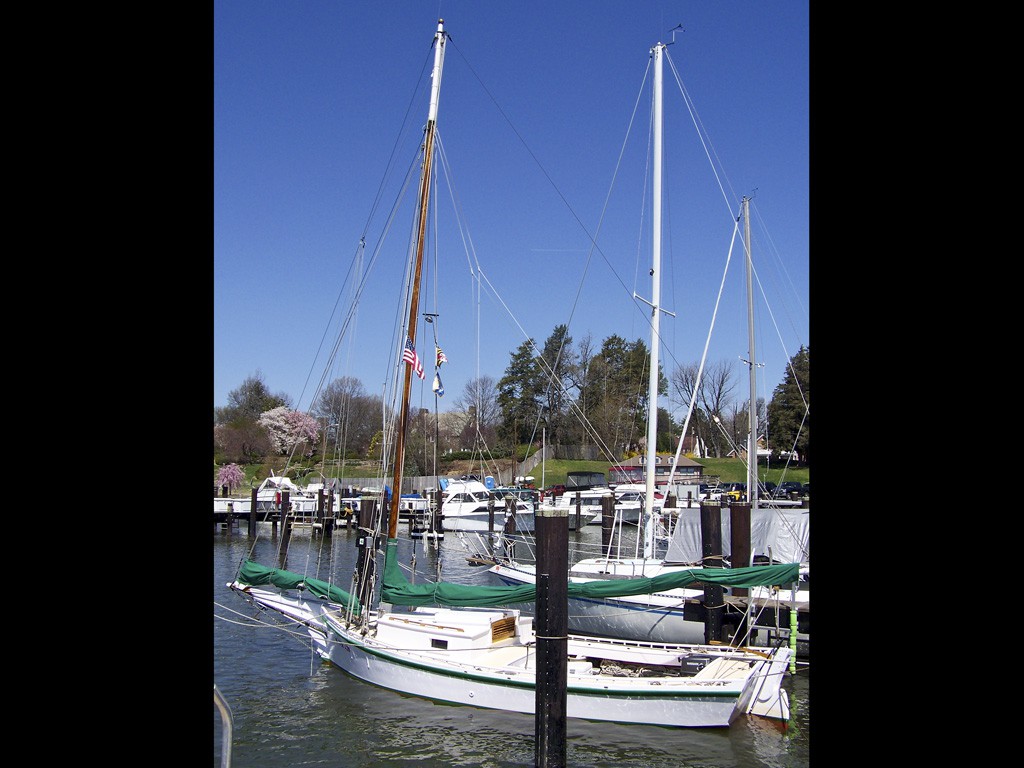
[(785, 531)]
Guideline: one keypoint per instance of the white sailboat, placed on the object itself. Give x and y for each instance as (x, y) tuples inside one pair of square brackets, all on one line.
[(679, 615), (455, 643)]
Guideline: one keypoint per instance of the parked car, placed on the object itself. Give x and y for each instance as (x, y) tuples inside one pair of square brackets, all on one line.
[(734, 491), (554, 491), (788, 488)]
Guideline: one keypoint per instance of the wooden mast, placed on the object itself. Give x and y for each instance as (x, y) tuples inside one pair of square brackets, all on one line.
[(428, 153)]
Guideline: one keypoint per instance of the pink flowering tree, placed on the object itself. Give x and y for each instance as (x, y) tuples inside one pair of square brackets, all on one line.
[(288, 428), (232, 476)]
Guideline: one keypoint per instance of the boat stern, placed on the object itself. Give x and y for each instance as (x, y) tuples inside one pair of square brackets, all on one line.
[(770, 700)]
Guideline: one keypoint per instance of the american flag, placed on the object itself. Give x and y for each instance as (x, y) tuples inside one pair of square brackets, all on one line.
[(410, 356), (441, 357)]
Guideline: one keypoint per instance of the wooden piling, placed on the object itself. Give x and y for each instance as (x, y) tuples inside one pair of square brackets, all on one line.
[(607, 520), (739, 539), (552, 625), (366, 546), (436, 518), (286, 530), (252, 514), (740, 555), (510, 514), (711, 550)]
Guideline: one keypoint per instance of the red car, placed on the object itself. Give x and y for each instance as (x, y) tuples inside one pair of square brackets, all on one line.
[(554, 491)]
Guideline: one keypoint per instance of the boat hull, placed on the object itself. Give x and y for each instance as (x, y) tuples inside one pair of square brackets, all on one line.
[(487, 658), (676, 616), (651, 618), (480, 521), (514, 691)]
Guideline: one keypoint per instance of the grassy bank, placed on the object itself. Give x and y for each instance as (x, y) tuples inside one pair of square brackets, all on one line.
[(554, 471), (727, 470)]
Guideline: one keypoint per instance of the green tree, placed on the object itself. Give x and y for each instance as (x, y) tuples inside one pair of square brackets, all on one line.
[(237, 433), (248, 401), (617, 395), (667, 432), (789, 419), (520, 395), (557, 364)]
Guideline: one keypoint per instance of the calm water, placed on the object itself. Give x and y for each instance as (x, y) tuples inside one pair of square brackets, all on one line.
[(289, 708)]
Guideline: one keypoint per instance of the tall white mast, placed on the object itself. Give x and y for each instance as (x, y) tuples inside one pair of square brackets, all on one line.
[(652, 390)]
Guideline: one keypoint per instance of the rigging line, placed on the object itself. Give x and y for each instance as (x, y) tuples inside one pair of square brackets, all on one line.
[(334, 310), (775, 325), (773, 249), (526, 146), (728, 439), (543, 170), (417, 89), (360, 287), (707, 345), (705, 140), (594, 246), (463, 229), (778, 333), (388, 169), (537, 354)]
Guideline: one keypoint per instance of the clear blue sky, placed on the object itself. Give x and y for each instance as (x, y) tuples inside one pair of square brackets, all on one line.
[(310, 99)]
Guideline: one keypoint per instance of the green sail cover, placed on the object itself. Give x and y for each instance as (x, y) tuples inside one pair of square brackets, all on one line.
[(397, 590), (255, 574)]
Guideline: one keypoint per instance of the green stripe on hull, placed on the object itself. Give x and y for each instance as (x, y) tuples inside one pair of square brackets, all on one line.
[(603, 693)]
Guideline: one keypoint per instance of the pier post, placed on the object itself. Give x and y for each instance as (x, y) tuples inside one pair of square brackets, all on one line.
[(427, 522), (365, 546), (318, 515), (739, 536), (252, 514), (436, 516), (286, 530), (510, 514), (711, 551), (552, 621), (607, 520), (740, 555)]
